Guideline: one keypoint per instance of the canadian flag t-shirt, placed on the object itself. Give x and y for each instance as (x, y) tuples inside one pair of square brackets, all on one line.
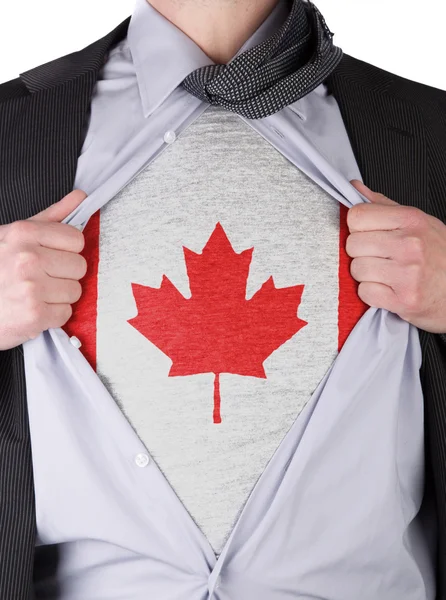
[(217, 296)]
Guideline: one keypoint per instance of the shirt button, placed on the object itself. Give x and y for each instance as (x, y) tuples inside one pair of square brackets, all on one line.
[(142, 460), (75, 341), (169, 137)]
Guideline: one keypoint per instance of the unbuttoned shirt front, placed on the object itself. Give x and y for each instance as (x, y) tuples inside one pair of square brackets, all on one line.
[(334, 513)]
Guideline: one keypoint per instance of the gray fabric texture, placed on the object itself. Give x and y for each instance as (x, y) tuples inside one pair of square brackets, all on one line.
[(209, 178)]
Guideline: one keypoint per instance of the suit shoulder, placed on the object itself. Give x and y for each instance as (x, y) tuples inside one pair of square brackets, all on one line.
[(17, 87), (66, 67), (14, 88), (419, 93), (373, 77)]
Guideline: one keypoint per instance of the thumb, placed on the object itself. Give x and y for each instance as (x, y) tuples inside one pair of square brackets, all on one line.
[(62, 208), (374, 197)]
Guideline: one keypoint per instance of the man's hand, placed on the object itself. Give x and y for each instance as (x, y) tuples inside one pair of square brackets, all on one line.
[(40, 266), (399, 259)]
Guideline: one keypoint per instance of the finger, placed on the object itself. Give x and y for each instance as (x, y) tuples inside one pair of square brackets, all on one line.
[(60, 291), (62, 264), (380, 244), (375, 197), (61, 209), (378, 295), (56, 315), (376, 270), (59, 236), (375, 217), (51, 316)]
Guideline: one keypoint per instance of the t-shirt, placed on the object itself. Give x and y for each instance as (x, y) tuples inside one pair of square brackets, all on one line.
[(217, 296)]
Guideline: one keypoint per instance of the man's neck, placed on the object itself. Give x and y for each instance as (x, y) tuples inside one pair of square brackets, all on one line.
[(218, 27)]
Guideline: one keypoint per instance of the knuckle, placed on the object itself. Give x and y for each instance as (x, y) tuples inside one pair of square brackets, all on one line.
[(355, 214), (415, 217), (65, 314), (19, 229), (410, 281), (69, 292), (79, 239), (35, 314), (25, 261), (80, 266), (362, 291), (29, 290), (76, 292), (412, 300), (414, 248), (416, 274), (356, 268), (353, 268), (83, 265), (365, 293), (75, 237), (350, 244)]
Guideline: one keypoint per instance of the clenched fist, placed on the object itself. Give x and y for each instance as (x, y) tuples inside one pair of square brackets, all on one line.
[(40, 268)]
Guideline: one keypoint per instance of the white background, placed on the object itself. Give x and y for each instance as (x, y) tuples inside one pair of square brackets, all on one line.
[(405, 37)]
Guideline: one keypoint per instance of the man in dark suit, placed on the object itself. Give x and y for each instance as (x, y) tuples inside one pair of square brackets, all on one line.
[(397, 243)]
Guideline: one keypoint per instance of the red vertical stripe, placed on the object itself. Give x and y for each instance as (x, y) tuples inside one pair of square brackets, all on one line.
[(350, 307), (83, 321)]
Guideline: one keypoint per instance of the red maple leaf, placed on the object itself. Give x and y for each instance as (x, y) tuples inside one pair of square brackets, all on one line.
[(217, 330)]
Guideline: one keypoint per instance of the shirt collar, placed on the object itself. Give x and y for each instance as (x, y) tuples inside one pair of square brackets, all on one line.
[(163, 55)]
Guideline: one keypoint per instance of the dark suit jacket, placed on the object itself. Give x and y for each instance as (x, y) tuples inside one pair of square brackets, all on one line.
[(397, 129)]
